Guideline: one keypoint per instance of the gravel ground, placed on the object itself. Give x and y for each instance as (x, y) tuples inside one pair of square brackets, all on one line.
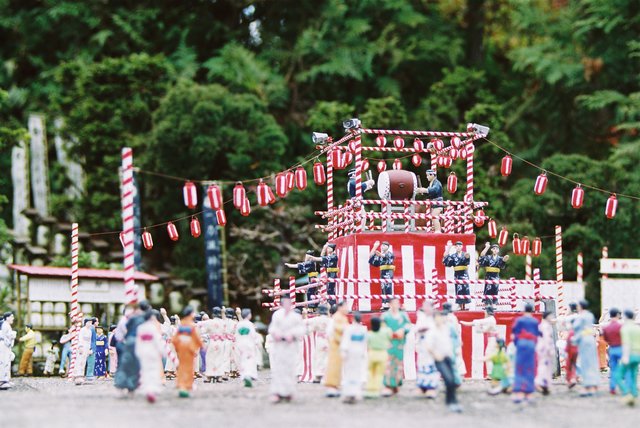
[(54, 402)]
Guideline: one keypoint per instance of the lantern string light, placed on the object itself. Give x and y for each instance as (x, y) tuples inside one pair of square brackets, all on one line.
[(586, 186)]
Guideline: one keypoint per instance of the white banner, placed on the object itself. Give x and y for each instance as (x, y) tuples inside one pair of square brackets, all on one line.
[(620, 293), (39, 164), (20, 179), (622, 266)]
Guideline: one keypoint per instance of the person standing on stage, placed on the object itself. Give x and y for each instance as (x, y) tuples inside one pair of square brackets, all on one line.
[(384, 260), (309, 268), (434, 193), (493, 264), (459, 261), (329, 259)]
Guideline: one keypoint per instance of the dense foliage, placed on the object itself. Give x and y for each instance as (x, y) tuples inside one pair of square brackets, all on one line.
[(231, 89)]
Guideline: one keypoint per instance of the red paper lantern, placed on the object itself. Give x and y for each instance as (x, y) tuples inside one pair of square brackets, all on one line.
[(454, 153), (147, 240), (524, 245), (506, 166), (239, 195), (281, 183), (502, 238), (382, 165), (577, 197), (195, 227), (416, 160), (365, 165), (438, 144), (347, 158), (381, 141), (336, 159), (352, 146), (492, 228), (291, 180), (418, 145), (397, 164), (478, 219), (245, 210), (517, 244), (272, 197), (462, 154), (536, 247), (541, 184), (172, 231), (456, 142), (215, 197), (301, 178), (452, 182), (319, 176), (611, 207), (221, 217), (446, 162), (262, 194), (398, 142), (190, 195)]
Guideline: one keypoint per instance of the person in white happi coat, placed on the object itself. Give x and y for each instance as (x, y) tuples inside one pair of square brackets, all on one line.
[(84, 350), (320, 326), (168, 331), (353, 348), (247, 342), (286, 330), (215, 329), (229, 345), (428, 377), (7, 340), (488, 326), (149, 349)]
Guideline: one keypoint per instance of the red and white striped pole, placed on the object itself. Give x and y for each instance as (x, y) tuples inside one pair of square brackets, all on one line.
[(75, 307), (434, 287), (358, 163), (292, 289), (527, 267), (276, 290), (580, 269), (330, 192), (468, 226), (536, 289), (131, 292), (407, 220), (559, 274), (513, 295)]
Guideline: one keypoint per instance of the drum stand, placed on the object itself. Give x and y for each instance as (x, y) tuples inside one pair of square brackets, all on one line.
[(399, 209)]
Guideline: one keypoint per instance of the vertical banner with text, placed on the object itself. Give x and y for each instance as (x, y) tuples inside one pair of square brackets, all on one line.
[(213, 259)]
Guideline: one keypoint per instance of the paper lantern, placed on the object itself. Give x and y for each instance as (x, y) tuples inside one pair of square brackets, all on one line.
[(438, 144), (452, 182), (577, 197), (272, 197), (478, 219), (336, 159), (502, 238), (398, 142), (221, 217), (416, 160), (541, 184), (611, 207), (291, 180), (381, 141), (397, 164), (517, 244), (245, 210), (347, 158), (418, 145), (365, 165), (319, 176), (352, 146), (456, 142), (524, 245), (462, 154), (262, 194), (172, 231), (195, 227), (382, 165), (215, 197), (301, 178), (446, 162), (190, 195), (536, 247), (239, 195), (281, 184), (147, 240), (454, 153), (506, 166), (492, 228)]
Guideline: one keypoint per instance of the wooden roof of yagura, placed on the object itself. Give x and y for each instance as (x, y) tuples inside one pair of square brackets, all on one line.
[(50, 271)]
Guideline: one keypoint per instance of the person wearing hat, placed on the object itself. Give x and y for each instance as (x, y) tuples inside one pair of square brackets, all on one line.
[(215, 329), (7, 339), (493, 264), (309, 268), (488, 326), (26, 362), (187, 343), (434, 193), (459, 261), (100, 370), (285, 330), (525, 334), (320, 326), (351, 184), (329, 259), (384, 260)]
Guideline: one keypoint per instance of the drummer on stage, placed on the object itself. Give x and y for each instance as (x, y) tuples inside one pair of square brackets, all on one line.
[(459, 261), (493, 264), (309, 269), (384, 260), (434, 193), (351, 185)]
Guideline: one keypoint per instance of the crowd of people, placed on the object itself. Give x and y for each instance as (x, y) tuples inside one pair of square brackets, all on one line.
[(352, 360)]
